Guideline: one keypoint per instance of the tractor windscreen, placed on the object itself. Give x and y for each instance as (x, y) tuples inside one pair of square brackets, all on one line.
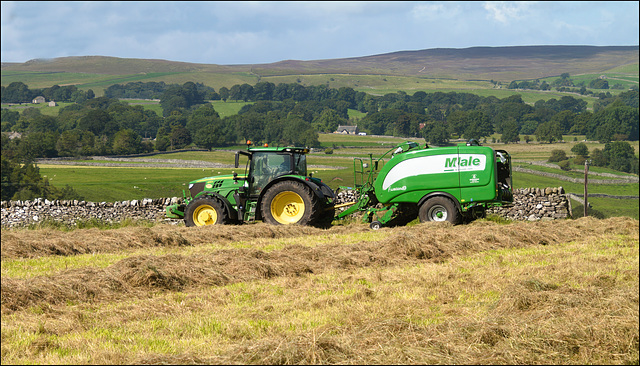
[(266, 166)]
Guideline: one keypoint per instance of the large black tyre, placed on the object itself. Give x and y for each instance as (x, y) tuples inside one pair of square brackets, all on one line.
[(291, 202), (439, 209), (205, 211)]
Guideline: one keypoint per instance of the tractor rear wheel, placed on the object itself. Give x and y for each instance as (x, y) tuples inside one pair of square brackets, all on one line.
[(291, 202), (205, 211), (439, 209)]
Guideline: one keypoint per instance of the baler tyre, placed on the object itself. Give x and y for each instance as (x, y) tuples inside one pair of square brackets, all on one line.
[(290, 202), (376, 225), (439, 209), (205, 211)]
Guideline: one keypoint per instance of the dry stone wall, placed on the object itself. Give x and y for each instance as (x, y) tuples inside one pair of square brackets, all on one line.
[(536, 204), (24, 213), (529, 204)]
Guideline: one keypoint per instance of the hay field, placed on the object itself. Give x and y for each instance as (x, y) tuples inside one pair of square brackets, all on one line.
[(552, 292)]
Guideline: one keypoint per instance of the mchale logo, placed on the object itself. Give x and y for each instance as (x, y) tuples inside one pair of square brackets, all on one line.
[(471, 161)]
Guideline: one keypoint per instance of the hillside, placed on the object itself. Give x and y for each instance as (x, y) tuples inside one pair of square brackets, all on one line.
[(475, 63)]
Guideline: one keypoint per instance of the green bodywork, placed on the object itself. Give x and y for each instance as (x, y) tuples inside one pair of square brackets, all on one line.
[(474, 177)]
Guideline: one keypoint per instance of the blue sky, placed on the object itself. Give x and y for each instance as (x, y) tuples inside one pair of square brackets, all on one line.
[(238, 32)]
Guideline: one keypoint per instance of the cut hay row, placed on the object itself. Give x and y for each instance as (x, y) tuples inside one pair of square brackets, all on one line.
[(138, 276), (46, 242)]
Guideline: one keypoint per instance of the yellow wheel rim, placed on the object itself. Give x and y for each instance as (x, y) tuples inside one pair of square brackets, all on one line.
[(205, 215), (287, 207)]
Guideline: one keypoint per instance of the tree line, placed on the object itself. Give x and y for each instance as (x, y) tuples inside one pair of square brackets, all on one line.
[(293, 114), (18, 92), (565, 84), (616, 155)]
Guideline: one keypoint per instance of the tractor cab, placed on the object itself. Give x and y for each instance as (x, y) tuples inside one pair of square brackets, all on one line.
[(266, 164)]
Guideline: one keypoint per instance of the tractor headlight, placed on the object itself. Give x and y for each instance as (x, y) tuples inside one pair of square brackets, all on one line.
[(190, 185)]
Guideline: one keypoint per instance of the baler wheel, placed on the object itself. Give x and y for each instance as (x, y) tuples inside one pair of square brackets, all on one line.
[(439, 209)]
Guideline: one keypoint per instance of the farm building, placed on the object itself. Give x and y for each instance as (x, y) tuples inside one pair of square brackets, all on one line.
[(38, 99), (52, 104), (12, 135), (347, 130)]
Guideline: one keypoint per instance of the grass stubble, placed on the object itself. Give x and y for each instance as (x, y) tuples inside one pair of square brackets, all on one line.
[(547, 292)]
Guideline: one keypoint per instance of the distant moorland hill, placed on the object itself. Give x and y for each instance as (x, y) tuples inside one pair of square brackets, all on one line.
[(476, 63)]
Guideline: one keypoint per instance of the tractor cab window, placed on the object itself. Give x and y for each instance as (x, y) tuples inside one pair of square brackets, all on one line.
[(267, 166)]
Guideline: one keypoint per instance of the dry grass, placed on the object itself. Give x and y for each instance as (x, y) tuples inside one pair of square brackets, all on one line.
[(561, 292)]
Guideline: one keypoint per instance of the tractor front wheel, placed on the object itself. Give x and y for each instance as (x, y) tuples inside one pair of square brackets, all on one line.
[(290, 202), (205, 211)]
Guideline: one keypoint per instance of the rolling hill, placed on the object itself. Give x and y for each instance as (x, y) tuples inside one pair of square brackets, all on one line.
[(475, 63)]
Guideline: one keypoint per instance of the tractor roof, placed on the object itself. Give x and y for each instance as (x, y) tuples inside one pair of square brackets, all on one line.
[(299, 150)]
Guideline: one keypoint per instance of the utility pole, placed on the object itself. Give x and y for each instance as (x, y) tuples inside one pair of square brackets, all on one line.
[(586, 170)]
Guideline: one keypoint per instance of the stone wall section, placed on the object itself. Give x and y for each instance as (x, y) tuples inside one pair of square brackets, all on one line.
[(529, 204), (24, 213), (536, 204)]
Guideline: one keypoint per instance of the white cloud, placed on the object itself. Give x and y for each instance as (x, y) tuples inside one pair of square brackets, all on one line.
[(429, 11), (506, 11)]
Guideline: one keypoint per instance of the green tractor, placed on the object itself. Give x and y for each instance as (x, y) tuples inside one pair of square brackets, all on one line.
[(275, 189)]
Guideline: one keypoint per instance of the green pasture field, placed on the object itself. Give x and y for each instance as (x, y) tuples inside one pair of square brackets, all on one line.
[(355, 115), (98, 87), (228, 108), (138, 183), (146, 104), (382, 84), (38, 80), (110, 184), (224, 109), (334, 169), (330, 139), (99, 82), (577, 171), (214, 80), (626, 69), (371, 84), (43, 107), (223, 156)]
